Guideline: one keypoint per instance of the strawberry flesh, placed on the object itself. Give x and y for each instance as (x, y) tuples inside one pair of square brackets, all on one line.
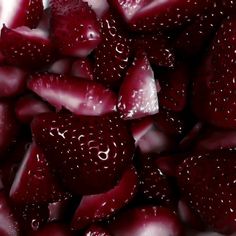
[(82, 68)]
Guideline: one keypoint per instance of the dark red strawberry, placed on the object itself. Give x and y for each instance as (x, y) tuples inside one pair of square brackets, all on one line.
[(150, 15), (150, 220), (96, 230), (113, 54), (82, 68), (89, 153), (27, 107), (207, 182), (80, 96), (53, 230), (138, 93), (93, 208), (174, 88), (74, 27), (34, 183), (22, 12), (12, 81), (8, 224), (25, 47), (157, 48)]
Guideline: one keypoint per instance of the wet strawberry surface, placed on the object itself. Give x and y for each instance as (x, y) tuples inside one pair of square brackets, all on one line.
[(117, 118)]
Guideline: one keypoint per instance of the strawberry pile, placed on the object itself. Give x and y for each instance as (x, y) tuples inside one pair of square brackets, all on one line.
[(117, 118)]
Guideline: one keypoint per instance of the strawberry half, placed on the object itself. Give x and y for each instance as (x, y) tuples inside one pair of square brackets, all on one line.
[(22, 12), (89, 153), (74, 27), (80, 96), (208, 183), (98, 207), (138, 92), (33, 182), (25, 47)]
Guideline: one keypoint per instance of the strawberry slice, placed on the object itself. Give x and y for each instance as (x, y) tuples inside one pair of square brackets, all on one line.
[(138, 92), (208, 183), (61, 66), (98, 207), (80, 96), (33, 182), (96, 230), (22, 12), (8, 224), (74, 27), (174, 88), (152, 15), (99, 7), (89, 153), (112, 55), (149, 220), (82, 68), (54, 230), (25, 47), (12, 81)]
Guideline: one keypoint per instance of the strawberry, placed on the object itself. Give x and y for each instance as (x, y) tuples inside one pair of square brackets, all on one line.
[(80, 96), (74, 27), (148, 220), (96, 230), (98, 207), (89, 153), (25, 47), (33, 182), (111, 58), (207, 181), (54, 230), (99, 7), (82, 68), (22, 12), (174, 88), (150, 15), (138, 93)]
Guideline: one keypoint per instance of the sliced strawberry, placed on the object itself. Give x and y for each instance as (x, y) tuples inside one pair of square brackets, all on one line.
[(22, 12), (98, 207), (82, 68), (12, 81), (61, 66), (80, 96), (99, 7), (27, 107), (25, 47), (113, 54), (151, 15), (174, 88), (150, 220), (34, 183), (89, 153), (138, 93), (53, 230), (157, 48), (208, 183), (96, 230), (74, 27), (8, 224)]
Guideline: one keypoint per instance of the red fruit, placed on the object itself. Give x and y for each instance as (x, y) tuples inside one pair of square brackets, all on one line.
[(89, 153), (53, 230), (12, 81), (8, 224), (80, 96), (99, 7), (174, 88), (138, 93), (34, 183), (27, 107), (207, 182), (157, 48), (82, 68), (96, 230), (150, 15), (22, 12), (61, 66), (8, 126), (98, 207), (25, 47), (151, 221), (113, 54), (74, 27)]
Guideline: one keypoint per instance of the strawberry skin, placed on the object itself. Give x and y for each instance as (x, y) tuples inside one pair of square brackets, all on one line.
[(74, 27), (208, 183), (89, 153)]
